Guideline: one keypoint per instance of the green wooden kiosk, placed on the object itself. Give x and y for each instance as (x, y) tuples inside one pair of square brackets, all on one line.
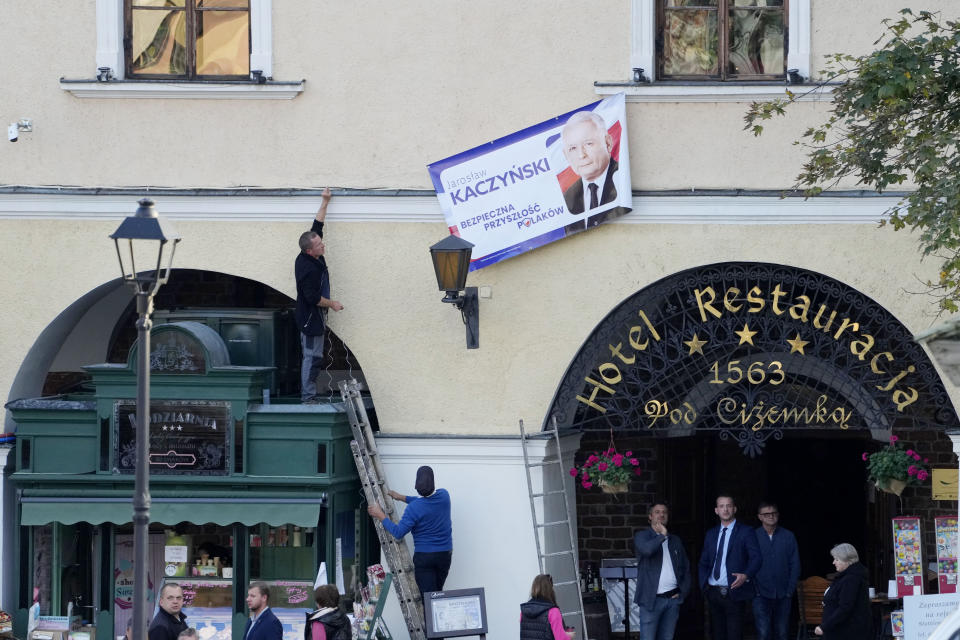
[(241, 490)]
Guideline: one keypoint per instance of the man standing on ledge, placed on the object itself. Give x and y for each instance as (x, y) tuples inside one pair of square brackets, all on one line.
[(313, 300), (663, 581), (729, 561), (777, 577)]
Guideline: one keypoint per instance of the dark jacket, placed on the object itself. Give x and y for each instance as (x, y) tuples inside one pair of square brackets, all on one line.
[(335, 624), (534, 622), (780, 564), (846, 606), (743, 556), (608, 190), (313, 282), (267, 627), (648, 546), (165, 627)]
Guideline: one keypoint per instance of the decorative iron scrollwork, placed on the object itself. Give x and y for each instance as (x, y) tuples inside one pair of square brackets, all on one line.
[(752, 351)]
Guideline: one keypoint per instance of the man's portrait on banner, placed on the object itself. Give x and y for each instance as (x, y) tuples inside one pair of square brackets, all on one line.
[(590, 150)]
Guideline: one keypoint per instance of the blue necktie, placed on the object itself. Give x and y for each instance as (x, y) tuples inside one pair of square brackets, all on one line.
[(719, 560)]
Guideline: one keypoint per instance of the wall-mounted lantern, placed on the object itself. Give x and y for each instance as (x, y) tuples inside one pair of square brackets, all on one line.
[(451, 262)]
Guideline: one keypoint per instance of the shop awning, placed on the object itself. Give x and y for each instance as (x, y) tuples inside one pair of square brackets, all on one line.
[(303, 512)]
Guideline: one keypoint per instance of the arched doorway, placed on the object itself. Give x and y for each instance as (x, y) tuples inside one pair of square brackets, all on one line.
[(762, 380), (100, 327)]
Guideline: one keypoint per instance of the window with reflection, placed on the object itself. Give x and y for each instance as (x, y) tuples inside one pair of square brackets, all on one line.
[(722, 39), (187, 39)]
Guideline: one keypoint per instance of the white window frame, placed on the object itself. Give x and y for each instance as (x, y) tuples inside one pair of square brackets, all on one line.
[(643, 55), (110, 55)]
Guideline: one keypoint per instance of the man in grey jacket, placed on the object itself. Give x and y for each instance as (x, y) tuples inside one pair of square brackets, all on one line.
[(663, 579)]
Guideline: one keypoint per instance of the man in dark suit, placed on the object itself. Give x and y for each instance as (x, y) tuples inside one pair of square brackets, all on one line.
[(728, 563), (663, 580), (586, 146), (262, 625)]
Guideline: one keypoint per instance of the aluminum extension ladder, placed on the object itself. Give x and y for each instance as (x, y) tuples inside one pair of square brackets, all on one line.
[(567, 581), (367, 459)]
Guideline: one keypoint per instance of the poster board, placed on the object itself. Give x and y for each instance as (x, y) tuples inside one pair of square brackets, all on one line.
[(908, 556), (923, 614), (543, 183), (947, 551), (460, 612), (944, 484)]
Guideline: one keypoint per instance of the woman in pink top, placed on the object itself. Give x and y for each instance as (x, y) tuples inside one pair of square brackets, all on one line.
[(540, 617)]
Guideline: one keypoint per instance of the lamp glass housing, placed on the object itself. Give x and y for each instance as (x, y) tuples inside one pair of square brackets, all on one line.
[(451, 262), (145, 245)]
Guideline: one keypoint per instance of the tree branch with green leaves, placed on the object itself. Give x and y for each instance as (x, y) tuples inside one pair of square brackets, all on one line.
[(894, 122)]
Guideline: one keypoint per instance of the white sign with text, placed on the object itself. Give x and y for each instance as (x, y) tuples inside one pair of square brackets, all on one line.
[(922, 614)]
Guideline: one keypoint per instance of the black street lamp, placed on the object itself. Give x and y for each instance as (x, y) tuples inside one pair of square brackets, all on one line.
[(146, 235), (451, 263)]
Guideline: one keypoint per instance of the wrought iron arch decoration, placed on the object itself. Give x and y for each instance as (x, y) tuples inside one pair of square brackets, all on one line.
[(750, 350)]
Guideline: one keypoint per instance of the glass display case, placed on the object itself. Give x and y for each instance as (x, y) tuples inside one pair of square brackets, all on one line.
[(208, 605)]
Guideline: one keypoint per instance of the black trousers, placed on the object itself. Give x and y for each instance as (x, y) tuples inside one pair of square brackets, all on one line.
[(430, 569), (726, 615)]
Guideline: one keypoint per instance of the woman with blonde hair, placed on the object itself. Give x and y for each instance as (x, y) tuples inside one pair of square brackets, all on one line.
[(540, 617), (846, 604)]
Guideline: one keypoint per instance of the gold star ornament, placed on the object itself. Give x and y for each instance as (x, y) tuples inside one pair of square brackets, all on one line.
[(797, 345), (695, 344), (746, 336)]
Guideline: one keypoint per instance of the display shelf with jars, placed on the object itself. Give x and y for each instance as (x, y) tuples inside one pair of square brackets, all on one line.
[(282, 553)]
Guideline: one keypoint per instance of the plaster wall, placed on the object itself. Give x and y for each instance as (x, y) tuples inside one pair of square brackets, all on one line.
[(411, 347), (440, 79), (486, 476)]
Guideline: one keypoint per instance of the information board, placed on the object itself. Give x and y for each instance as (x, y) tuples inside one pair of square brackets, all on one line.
[(923, 614), (186, 436), (462, 612)]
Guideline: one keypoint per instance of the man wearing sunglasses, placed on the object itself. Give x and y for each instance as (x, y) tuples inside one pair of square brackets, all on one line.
[(777, 579)]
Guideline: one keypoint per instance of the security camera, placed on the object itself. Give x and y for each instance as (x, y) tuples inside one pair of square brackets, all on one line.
[(13, 132)]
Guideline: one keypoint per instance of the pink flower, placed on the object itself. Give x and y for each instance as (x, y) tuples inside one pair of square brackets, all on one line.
[(592, 458), (864, 456), (574, 472), (926, 461), (588, 463), (585, 474), (629, 453), (922, 475), (893, 439), (916, 457), (618, 460), (602, 466), (911, 470), (634, 462), (586, 484), (909, 452), (638, 471)]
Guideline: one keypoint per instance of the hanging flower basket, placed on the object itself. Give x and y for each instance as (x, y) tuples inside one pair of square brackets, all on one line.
[(892, 485), (893, 468), (610, 487), (609, 470)]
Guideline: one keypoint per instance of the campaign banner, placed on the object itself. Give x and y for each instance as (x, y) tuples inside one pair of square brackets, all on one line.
[(546, 182)]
